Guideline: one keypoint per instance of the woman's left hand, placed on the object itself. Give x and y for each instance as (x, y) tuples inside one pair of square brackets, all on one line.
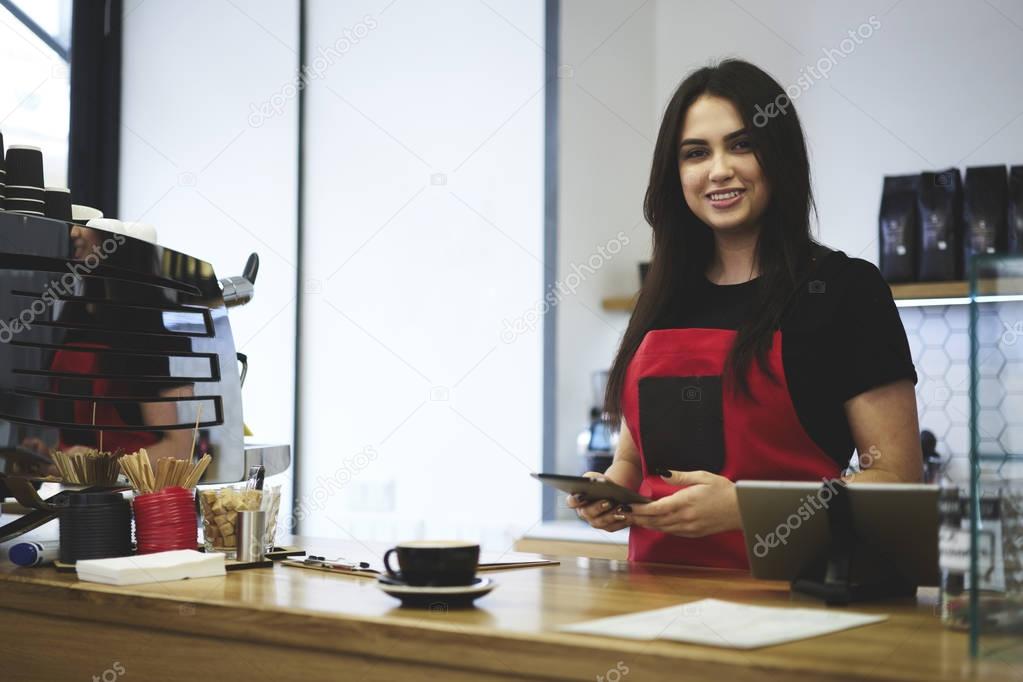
[(705, 504)]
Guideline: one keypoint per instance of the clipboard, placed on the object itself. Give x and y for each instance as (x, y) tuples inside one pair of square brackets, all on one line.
[(343, 567)]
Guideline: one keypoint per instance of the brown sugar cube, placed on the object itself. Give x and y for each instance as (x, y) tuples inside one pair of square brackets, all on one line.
[(251, 500)]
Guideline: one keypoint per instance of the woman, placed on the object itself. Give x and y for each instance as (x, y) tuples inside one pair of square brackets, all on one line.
[(754, 352)]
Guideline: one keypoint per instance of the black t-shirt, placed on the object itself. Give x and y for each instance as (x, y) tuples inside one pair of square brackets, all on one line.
[(841, 336)]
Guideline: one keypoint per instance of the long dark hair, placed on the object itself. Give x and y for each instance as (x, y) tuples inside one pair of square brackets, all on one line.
[(683, 245)]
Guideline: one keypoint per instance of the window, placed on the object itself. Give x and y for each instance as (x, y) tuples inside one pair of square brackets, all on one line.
[(35, 98)]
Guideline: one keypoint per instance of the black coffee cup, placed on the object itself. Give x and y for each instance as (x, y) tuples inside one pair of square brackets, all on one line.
[(58, 203), (25, 167), (434, 563)]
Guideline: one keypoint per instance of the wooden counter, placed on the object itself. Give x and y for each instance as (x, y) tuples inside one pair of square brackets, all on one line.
[(285, 623)]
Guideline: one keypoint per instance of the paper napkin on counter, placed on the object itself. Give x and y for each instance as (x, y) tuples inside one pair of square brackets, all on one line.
[(151, 568), (712, 622)]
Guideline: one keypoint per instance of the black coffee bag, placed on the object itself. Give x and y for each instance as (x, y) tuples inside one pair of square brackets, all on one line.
[(939, 207), (985, 198), (1016, 209), (897, 228)]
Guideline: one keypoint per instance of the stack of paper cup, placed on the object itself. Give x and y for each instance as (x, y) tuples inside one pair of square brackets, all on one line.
[(24, 190), (58, 203)]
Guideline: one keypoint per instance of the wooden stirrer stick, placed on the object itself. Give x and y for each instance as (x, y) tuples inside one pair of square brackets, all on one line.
[(195, 432), (94, 424)]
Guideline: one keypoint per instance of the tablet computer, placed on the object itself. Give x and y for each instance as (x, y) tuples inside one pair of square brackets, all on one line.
[(592, 489), (785, 524)]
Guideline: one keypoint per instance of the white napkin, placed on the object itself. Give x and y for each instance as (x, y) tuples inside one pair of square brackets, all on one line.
[(178, 564), (712, 622)]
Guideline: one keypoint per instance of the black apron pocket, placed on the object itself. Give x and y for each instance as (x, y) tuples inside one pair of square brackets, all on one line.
[(681, 423)]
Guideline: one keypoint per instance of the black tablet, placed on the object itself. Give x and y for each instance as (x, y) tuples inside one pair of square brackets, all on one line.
[(592, 489), (898, 520)]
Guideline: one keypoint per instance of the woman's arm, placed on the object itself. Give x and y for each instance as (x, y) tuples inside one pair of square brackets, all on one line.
[(886, 432), (626, 469)]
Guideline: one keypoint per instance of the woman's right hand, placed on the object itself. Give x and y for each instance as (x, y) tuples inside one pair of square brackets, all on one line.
[(602, 514)]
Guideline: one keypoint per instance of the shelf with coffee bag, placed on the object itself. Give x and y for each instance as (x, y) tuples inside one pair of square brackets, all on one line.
[(932, 223)]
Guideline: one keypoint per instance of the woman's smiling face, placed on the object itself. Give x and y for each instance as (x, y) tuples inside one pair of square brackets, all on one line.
[(715, 157)]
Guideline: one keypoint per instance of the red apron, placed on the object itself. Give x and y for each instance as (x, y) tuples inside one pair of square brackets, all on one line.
[(762, 440)]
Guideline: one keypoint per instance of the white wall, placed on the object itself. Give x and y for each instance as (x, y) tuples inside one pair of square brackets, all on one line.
[(606, 131), (215, 185), (424, 233), (935, 85)]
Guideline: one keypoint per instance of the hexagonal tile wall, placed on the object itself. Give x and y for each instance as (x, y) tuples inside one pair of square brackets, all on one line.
[(940, 344)]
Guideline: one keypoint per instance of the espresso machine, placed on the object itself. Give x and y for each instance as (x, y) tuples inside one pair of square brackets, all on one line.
[(597, 442), (112, 342)]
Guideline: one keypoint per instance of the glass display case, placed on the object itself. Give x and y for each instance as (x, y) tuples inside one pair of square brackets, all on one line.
[(991, 601)]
